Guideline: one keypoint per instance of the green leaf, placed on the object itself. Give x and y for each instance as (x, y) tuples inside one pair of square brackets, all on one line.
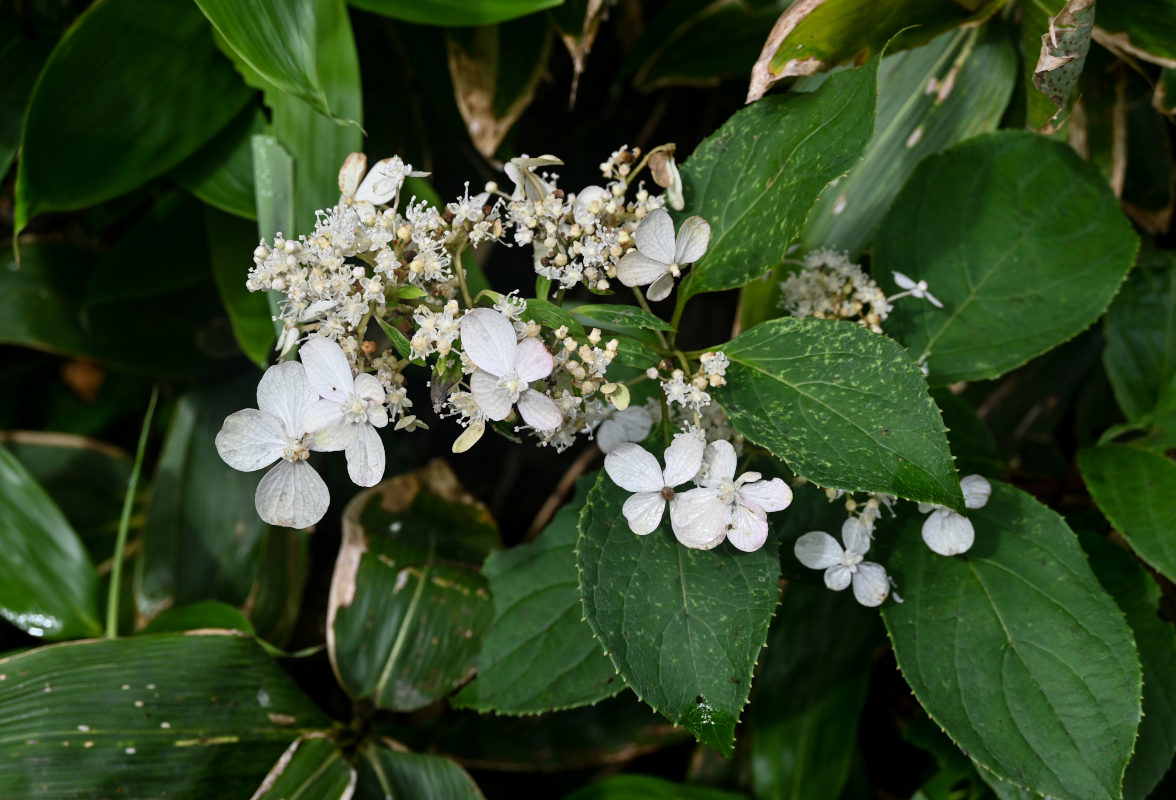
[(756, 178), (1028, 254), (549, 315), (1055, 38), (647, 787), (386, 773), (1140, 355), (21, 59), (1138, 594), (229, 244), (842, 406), (454, 12), (1132, 487), (125, 68), (539, 654), (200, 616), (408, 606), (312, 767), (618, 317), (1140, 28), (170, 715), (221, 172), (48, 587), (273, 180), (1047, 692), (683, 627)]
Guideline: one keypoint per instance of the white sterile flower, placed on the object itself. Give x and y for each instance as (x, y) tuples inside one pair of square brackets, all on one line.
[(724, 506), (351, 408), (528, 185), (589, 205), (948, 532), (617, 427), (843, 566), (914, 289), (635, 469), (292, 493), (505, 367), (659, 257)]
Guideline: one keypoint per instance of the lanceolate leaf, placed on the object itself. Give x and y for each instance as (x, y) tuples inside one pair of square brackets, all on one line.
[(312, 767), (221, 172), (455, 12), (1140, 28), (1140, 359), (756, 178), (684, 627), (842, 406), (1021, 241), (391, 773), (1018, 652), (647, 787), (249, 312), (21, 59)]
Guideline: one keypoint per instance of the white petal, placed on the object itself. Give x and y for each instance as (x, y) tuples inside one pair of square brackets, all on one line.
[(693, 237), (636, 421), (856, 536), (368, 387), (539, 411), (377, 187), (699, 518), (531, 360), (818, 550), (489, 339), (334, 436), (644, 511), (351, 172), (933, 300), (492, 399), (470, 437), (327, 368), (773, 495), (587, 196), (292, 495), (365, 457), (250, 439), (285, 393), (976, 491), (660, 289), (948, 533), (322, 414), (870, 584), (377, 416), (610, 434), (838, 577), (683, 458), (634, 469), (903, 281), (720, 463), (925, 507), (748, 529), (638, 269), (655, 236)]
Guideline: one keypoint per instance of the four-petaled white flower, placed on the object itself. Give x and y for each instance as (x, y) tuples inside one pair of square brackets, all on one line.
[(948, 532), (724, 506), (382, 183), (350, 409), (631, 425), (658, 258), (292, 493), (845, 565), (635, 469), (914, 289)]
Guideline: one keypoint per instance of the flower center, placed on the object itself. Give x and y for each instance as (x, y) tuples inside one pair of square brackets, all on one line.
[(296, 449), (727, 491), (512, 384), (354, 409), (851, 560), (675, 270)]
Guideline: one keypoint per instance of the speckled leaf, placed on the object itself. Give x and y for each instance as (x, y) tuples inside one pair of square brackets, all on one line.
[(618, 317), (1064, 43), (392, 773), (1027, 255), (408, 606), (539, 654), (647, 787), (1134, 488), (313, 768), (1017, 651), (1140, 28), (842, 406), (1140, 359), (756, 178), (684, 627), (170, 715)]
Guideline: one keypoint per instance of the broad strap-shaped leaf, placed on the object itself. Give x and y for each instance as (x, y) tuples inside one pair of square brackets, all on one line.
[(199, 616), (539, 654), (312, 767), (756, 178), (181, 715), (684, 627), (21, 59), (126, 67), (842, 406), (1134, 488), (47, 583), (385, 772), (1140, 330), (408, 606), (1017, 651), (249, 312), (647, 787), (1021, 241), (454, 12), (221, 172), (1143, 29)]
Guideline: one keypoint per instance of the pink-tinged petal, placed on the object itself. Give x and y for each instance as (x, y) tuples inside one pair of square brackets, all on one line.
[(693, 237), (351, 173), (856, 536), (332, 438), (488, 339), (818, 550), (638, 269), (683, 458), (634, 469), (531, 360), (948, 533), (250, 439), (377, 188), (655, 236), (976, 491), (327, 368), (660, 289), (492, 399), (292, 495), (699, 518), (365, 457), (720, 463), (539, 411), (285, 393), (748, 529), (838, 578), (870, 584), (773, 495), (368, 387), (644, 512)]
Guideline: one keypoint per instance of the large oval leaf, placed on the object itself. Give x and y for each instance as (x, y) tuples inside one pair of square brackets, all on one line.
[(1017, 651), (1019, 238), (1140, 359), (684, 627), (844, 407), (455, 12)]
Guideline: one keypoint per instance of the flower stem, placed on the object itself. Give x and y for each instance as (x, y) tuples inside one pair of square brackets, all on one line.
[(645, 306)]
